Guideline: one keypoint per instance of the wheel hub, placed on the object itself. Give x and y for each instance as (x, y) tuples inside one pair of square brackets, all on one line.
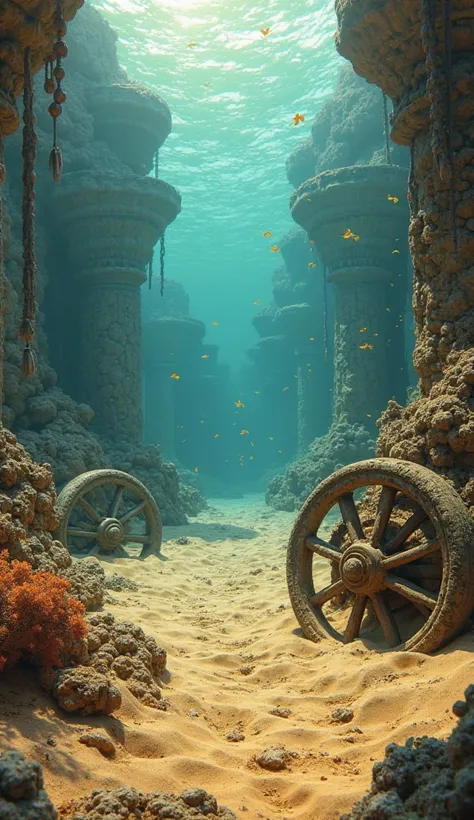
[(361, 569), (111, 533)]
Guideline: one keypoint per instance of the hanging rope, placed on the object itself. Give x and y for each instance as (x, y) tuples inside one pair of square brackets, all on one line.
[(162, 263), (156, 164), (386, 130), (150, 264), (449, 113), (27, 329)]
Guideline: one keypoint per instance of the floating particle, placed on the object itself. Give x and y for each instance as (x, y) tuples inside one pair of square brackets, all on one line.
[(369, 415), (257, 302), (257, 392), (396, 251), (281, 452), (362, 329), (239, 403), (216, 435), (215, 324), (251, 458), (175, 376), (298, 118), (275, 249), (244, 432), (206, 356), (311, 338), (201, 421), (272, 438), (192, 44), (388, 310), (285, 389), (311, 264), (375, 334), (251, 444), (312, 242), (267, 234), (265, 31), (196, 469), (393, 199), (366, 346)]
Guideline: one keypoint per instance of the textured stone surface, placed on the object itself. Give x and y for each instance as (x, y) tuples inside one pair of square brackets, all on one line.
[(127, 803), (22, 794)]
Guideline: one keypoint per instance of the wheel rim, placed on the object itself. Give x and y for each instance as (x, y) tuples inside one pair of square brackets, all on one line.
[(384, 569), (107, 510)]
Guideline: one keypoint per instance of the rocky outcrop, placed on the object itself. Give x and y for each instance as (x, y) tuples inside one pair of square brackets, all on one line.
[(425, 777), (300, 165), (22, 792), (126, 802)]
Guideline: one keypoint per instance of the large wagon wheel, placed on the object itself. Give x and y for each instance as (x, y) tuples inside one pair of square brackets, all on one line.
[(407, 572), (106, 511)]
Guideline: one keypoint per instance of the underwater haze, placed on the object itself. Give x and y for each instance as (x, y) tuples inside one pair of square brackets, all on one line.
[(233, 94)]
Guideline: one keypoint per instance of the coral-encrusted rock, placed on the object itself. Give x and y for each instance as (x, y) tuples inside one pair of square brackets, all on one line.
[(87, 579), (127, 804), (96, 740), (438, 431), (83, 689), (22, 794), (426, 777), (123, 649)]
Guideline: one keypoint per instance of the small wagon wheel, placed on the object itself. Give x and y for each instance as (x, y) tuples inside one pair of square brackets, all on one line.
[(108, 510), (410, 583)]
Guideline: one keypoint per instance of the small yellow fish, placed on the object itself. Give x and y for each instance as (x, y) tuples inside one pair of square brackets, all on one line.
[(312, 242), (265, 31), (196, 469), (206, 356), (375, 334), (366, 346), (362, 330), (275, 249), (174, 376), (257, 302), (348, 234), (311, 338), (215, 324), (388, 310), (192, 44), (244, 432), (239, 403), (298, 118), (217, 435), (267, 234), (393, 199), (369, 415), (311, 264), (285, 388), (396, 251)]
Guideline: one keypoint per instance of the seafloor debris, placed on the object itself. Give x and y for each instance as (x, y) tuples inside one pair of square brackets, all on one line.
[(127, 804), (425, 777), (22, 796)]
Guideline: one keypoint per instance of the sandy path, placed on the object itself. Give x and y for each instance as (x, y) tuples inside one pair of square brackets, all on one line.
[(219, 605)]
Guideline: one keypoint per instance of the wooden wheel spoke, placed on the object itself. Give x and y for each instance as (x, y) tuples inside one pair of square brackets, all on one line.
[(411, 591), (351, 518), (386, 619), (323, 548), (89, 510), (327, 593), (132, 513), (384, 511), (116, 501), (137, 539), (423, 571), (408, 528), (410, 555), (76, 532), (355, 618)]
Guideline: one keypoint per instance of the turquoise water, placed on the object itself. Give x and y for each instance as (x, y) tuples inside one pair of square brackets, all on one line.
[(232, 96)]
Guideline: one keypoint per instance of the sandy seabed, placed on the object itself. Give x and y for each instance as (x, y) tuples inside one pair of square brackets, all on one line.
[(219, 606)]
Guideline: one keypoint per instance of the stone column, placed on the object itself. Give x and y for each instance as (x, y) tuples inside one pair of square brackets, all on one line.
[(275, 362), (368, 342), (304, 332), (172, 345), (427, 69), (111, 224), (132, 120)]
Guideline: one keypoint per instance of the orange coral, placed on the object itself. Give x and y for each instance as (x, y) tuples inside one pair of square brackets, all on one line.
[(38, 619)]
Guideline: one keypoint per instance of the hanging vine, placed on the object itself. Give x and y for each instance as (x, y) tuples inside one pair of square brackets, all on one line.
[(386, 130), (27, 329)]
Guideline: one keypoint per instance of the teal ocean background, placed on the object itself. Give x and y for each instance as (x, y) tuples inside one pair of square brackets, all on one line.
[(233, 97)]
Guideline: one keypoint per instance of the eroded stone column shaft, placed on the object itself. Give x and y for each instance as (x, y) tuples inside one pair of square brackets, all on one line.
[(159, 408), (110, 358)]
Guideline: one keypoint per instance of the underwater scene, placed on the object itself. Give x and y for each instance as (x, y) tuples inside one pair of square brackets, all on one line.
[(237, 424)]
